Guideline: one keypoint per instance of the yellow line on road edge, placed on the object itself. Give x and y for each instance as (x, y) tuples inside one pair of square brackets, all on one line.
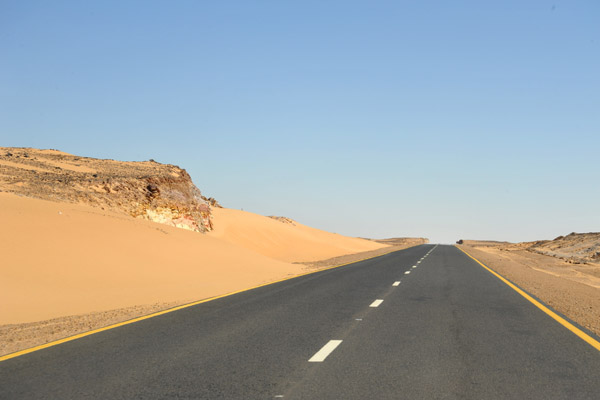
[(156, 314), (587, 338)]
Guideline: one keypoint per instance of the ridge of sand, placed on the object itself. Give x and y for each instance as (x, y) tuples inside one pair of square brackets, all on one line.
[(392, 244), (89, 242), (281, 240), (68, 268), (64, 259)]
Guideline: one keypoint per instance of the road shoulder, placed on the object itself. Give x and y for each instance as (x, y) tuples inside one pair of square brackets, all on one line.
[(541, 276)]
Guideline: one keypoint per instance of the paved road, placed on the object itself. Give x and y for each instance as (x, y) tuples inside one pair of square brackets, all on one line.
[(449, 330)]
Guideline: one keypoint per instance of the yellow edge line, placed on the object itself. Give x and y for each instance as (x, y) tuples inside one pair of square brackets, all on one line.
[(587, 338), (156, 314)]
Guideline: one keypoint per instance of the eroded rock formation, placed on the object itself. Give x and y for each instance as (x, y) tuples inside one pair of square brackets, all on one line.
[(158, 192)]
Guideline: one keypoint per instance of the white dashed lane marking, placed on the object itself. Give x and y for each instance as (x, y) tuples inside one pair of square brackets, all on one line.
[(407, 272), (396, 283), (376, 303), (325, 351)]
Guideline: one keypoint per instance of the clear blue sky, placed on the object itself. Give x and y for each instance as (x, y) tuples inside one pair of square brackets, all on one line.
[(461, 119)]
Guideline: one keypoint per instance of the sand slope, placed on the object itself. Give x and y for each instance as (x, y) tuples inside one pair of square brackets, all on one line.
[(63, 259), (287, 241)]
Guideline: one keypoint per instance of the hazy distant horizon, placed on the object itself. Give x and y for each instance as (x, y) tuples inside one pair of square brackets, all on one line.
[(462, 120)]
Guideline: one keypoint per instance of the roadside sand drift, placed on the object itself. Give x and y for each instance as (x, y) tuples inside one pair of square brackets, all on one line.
[(284, 241), (89, 242), (63, 259)]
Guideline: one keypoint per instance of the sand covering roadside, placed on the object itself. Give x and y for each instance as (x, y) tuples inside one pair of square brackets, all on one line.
[(393, 244), (571, 289), (75, 267), (283, 241)]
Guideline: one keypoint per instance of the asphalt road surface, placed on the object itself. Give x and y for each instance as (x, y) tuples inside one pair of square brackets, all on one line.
[(448, 330)]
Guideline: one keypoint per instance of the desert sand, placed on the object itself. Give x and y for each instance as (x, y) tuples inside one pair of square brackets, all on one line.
[(83, 267), (63, 259), (87, 242), (284, 240), (392, 244)]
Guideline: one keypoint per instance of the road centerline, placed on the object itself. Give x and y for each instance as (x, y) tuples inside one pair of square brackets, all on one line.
[(376, 303), (325, 351)]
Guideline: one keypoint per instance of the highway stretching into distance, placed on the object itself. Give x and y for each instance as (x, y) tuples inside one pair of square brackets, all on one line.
[(427, 322)]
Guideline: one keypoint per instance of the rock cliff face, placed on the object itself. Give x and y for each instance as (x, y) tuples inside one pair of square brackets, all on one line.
[(158, 192)]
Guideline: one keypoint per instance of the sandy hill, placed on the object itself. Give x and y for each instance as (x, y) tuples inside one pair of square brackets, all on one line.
[(80, 238), (283, 239), (70, 244), (62, 258)]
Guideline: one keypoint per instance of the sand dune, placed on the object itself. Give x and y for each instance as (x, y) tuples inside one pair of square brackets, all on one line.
[(63, 259), (285, 240), (87, 242)]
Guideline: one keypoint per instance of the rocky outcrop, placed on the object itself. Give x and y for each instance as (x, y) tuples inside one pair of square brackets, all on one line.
[(161, 193), (284, 220), (576, 248)]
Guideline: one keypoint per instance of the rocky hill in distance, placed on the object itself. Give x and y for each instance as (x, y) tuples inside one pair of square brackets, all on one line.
[(564, 272), (149, 190), (574, 248)]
